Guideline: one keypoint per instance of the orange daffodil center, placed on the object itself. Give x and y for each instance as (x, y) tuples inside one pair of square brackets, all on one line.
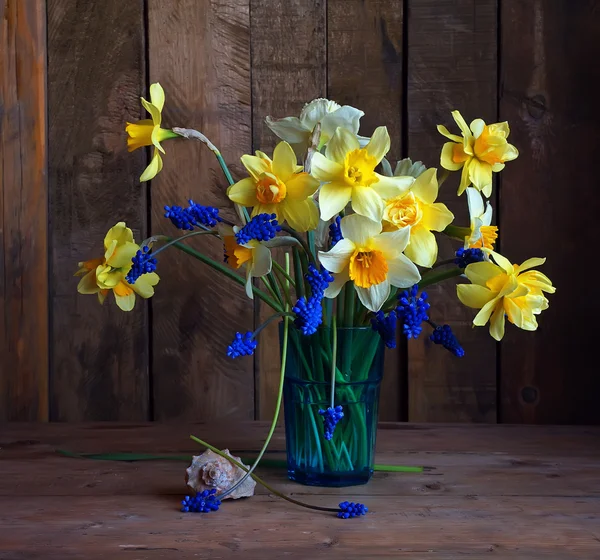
[(418, 213), (278, 186), (505, 290), (481, 150), (348, 174), (148, 132), (372, 260), (99, 276)]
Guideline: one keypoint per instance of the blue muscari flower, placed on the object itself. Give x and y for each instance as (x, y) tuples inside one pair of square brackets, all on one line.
[(262, 228), (193, 216), (443, 335), (465, 257), (335, 231), (203, 502), (318, 280), (242, 345), (386, 327), (143, 263), (331, 416), (351, 509), (309, 314), (412, 311)]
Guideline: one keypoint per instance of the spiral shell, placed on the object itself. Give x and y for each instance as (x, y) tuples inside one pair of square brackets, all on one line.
[(210, 470)]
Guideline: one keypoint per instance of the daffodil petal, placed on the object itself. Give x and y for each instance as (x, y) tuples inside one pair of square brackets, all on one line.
[(447, 157), (289, 129), (125, 302), (301, 186), (256, 165), (359, 229), (477, 127), (122, 255), (333, 198), (474, 202), (402, 272), (144, 285), (155, 137), (444, 132), (243, 192), (284, 161), (436, 216), (530, 263), (154, 112), (425, 187), (342, 142), (157, 96), (391, 243), (480, 174), (301, 215), (462, 124), (422, 248), (486, 311), (153, 168), (375, 296), (497, 323), (339, 280), (345, 117), (119, 233), (338, 257), (481, 272), (464, 177), (473, 295), (325, 169), (379, 145), (139, 134), (514, 312), (390, 187), (261, 260), (502, 262), (367, 202), (88, 284)]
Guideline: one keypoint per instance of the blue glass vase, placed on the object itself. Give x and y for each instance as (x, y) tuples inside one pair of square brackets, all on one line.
[(348, 458)]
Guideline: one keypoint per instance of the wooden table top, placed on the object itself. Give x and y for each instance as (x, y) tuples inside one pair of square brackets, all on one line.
[(508, 491)]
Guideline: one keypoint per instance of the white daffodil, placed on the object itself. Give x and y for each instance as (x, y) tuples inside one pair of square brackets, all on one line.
[(483, 234), (372, 260), (297, 131)]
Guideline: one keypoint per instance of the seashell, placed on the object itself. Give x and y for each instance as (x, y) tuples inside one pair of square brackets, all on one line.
[(210, 470)]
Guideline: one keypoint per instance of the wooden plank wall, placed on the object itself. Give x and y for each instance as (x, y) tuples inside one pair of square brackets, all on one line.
[(71, 74)]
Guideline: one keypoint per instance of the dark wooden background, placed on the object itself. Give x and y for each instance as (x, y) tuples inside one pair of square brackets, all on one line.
[(71, 74)]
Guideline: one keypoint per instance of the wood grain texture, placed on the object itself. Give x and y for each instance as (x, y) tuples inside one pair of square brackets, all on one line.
[(549, 85), (451, 65), (523, 492), (200, 53), (99, 358), (23, 213), (365, 70), (286, 74)]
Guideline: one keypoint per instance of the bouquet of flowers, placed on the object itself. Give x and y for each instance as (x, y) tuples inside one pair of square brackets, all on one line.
[(359, 238)]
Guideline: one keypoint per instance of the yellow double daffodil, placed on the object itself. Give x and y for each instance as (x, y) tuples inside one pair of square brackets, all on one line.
[(108, 273), (148, 132), (416, 211), (483, 149), (348, 172), (506, 290), (372, 260), (278, 186)]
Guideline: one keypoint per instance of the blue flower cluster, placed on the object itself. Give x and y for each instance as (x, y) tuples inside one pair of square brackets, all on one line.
[(412, 311), (193, 216), (465, 257), (443, 335), (308, 312), (335, 231), (262, 228), (143, 263), (331, 416), (386, 327), (351, 509), (203, 502), (242, 345)]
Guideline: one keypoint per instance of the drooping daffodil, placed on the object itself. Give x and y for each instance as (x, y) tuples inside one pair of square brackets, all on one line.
[(372, 260), (278, 186), (108, 273), (483, 234), (481, 150), (329, 114), (348, 172), (503, 289), (416, 211), (254, 256), (148, 132)]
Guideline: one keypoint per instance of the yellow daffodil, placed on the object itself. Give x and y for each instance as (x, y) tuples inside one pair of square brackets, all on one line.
[(482, 234), (372, 260), (278, 186), (298, 131), (348, 172), (148, 131), (416, 211), (254, 256), (505, 290), (108, 273), (483, 149)]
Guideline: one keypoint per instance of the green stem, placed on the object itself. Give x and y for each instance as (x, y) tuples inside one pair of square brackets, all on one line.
[(229, 273), (349, 306), (302, 242), (333, 360), (259, 480), (435, 277), (443, 263), (282, 271), (299, 283), (172, 241), (457, 232)]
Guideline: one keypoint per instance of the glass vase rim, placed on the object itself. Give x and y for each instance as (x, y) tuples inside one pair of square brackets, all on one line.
[(338, 328)]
